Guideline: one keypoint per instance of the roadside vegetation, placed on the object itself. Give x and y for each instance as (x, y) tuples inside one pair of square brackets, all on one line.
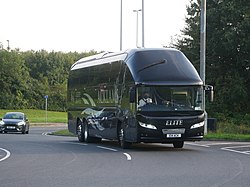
[(63, 132), (231, 127), (225, 136), (39, 116)]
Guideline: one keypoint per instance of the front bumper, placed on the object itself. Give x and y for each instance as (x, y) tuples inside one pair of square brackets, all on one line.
[(12, 128), (158, 136)]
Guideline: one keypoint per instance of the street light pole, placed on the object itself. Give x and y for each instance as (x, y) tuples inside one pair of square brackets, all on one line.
[(203, 40), (203, 52), (137, 11), (8, 48), (143, 23), (46, 108), (121, 28)]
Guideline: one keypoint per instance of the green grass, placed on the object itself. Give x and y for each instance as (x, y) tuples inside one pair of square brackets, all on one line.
[(39, 116), (63, 132), (227, 136)]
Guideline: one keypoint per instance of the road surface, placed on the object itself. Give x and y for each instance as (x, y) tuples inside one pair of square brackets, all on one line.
[(38, 159)]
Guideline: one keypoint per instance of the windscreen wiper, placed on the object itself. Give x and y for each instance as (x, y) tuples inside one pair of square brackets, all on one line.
[(153, 64)]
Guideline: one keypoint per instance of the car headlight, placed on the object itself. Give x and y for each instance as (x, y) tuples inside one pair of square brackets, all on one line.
[(197, 125), (1, 123), (20, 123), (149, 126)]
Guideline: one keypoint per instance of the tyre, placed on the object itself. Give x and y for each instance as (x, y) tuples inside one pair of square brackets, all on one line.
[(88, 138), (86, 133), (121, 138), (80, 131), (178, 144), (23, 130), (27, 130)]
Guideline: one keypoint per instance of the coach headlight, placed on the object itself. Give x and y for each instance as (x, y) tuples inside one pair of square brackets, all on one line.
[(148, 126), (197, 125)]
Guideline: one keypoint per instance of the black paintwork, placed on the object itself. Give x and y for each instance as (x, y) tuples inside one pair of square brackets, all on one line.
[(162, 66), (99, 94)]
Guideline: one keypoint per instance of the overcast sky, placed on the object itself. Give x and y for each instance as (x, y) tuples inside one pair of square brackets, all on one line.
[(83, 25)]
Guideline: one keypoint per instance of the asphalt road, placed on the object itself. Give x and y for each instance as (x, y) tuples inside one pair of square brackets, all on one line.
[(37, 159)]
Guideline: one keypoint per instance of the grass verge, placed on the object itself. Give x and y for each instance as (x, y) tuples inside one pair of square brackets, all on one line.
[(63, 132), (227, 136), (39, 116)]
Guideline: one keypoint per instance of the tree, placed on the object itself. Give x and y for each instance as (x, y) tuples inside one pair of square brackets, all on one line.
[(26, 77), (227, 54), (14, 80)]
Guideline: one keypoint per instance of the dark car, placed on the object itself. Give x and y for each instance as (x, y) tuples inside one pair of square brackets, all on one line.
[(14, 122)]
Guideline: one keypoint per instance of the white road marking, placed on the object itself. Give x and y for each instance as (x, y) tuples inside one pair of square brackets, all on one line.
[(101, 147), (232, 149), (128, 156), (45, 133), (7, 154), (199, 145), (219, 143), (75, 143), (107, 148), (228, 143)]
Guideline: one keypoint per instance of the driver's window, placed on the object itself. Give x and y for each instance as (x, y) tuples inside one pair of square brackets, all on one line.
[(144, 96)]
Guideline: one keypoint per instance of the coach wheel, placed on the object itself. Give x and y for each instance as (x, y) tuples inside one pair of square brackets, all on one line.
[(178, 144), (86, 132), (80, 131), (88, 138)]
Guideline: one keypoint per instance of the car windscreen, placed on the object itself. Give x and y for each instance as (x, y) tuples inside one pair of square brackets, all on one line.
[(13, 116)]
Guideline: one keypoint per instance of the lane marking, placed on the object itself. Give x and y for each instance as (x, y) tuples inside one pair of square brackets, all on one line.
[(102, 147), (46, 133), (236, 151), (199, 145), (128, 156), (219, 143), (7, 154), (74, 143), (228, 143), (107, 148)]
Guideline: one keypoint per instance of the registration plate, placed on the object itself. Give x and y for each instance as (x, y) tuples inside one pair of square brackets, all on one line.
[(11, 127), (173, 135)]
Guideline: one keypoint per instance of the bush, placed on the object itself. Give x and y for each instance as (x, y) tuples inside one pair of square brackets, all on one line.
[(233, 123)]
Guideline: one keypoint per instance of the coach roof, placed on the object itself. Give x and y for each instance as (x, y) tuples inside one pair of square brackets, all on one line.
[(149, 65)]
